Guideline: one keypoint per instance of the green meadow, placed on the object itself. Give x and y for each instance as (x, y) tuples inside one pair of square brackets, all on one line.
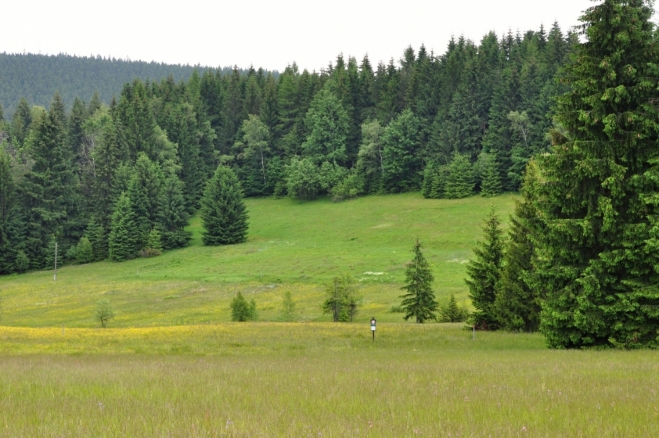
[(292, 246), (172, 365)]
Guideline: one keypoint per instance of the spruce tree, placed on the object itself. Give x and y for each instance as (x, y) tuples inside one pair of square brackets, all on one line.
[(419, 301), (98, 238), (401, 162), (517, 302), (490, 177), (598, 197), (223, 211), (84, 251), (459, 179), (144, 190), (328, 125), (8, 216), (172, 214), (125, 237), (49, 188), (484, 271)]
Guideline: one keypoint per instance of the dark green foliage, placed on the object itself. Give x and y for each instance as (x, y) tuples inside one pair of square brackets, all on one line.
[(9, 224), (241, 310), (153, 246), (84, 251), (597, 189), (125, 237), (419, 301), (172, 215), (98, 238), (518, 303), (490, 176), (223, 211), (342, 300), (484, 271), (451, 312), (369, 158), (459, 182), (304, 181), (327, 124), (401, 163), (144, 189), (49, 188)]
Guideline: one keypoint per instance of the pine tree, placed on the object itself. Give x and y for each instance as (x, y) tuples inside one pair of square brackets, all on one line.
[(490, 177), (8, 216), (49, 187), (517, 302), (419, 301), (172, 214), (223, 211), (125, 239), (401, 161), (598, 198), (144, 190), (98, 238), (459, 178), (484, 271), (328, 125), (84, 251)]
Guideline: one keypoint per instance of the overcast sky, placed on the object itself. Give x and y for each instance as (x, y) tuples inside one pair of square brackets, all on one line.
[(271, 33)]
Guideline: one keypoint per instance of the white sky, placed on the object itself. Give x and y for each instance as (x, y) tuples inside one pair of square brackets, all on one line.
[(270, 34)]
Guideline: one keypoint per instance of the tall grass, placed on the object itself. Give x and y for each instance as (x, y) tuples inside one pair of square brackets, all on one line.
[(329, 380)]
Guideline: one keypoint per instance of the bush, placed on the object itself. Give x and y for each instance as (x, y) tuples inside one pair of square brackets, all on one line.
[(104, 312), (350, 186), (451, 312), (22, 262), (287, 307), (241, 310), (342, 299), (153, 245), (84, 252)]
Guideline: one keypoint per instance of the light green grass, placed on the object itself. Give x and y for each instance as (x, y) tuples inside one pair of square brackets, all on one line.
[(317, 380), (292, 246)]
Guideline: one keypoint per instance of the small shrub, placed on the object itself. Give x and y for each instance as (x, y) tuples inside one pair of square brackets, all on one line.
[(153, 245), (104, 312), (241, 310), (451, 312), (84, 252), (350, 186), (396, 309), (287, 307)]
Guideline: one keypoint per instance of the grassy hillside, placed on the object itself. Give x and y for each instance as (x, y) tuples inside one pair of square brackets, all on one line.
[(291, 246)]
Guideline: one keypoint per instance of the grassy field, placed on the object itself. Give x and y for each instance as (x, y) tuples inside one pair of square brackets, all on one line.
[(317, 380), (292, 246), (170, 365)]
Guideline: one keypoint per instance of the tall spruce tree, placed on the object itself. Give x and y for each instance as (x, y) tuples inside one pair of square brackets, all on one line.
[(484, 272), (401, 162), (49, 188), (599, 242), (518, 301), (125, 239), (490, 176), (419, 301), (223, 211), (459, 179), (172, 214)]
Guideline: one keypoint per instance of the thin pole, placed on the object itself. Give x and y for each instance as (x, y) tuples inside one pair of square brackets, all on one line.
[(55, 276)]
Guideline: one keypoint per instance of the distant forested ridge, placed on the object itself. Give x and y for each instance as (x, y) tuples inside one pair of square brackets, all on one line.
[(37, 77), (127, 176)]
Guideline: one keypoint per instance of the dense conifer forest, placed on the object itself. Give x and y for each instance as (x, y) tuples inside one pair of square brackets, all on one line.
[(451, 125), (37, 77)]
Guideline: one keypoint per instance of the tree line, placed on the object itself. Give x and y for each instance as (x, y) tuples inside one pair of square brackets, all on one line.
[(37, 77), (132, 172)]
